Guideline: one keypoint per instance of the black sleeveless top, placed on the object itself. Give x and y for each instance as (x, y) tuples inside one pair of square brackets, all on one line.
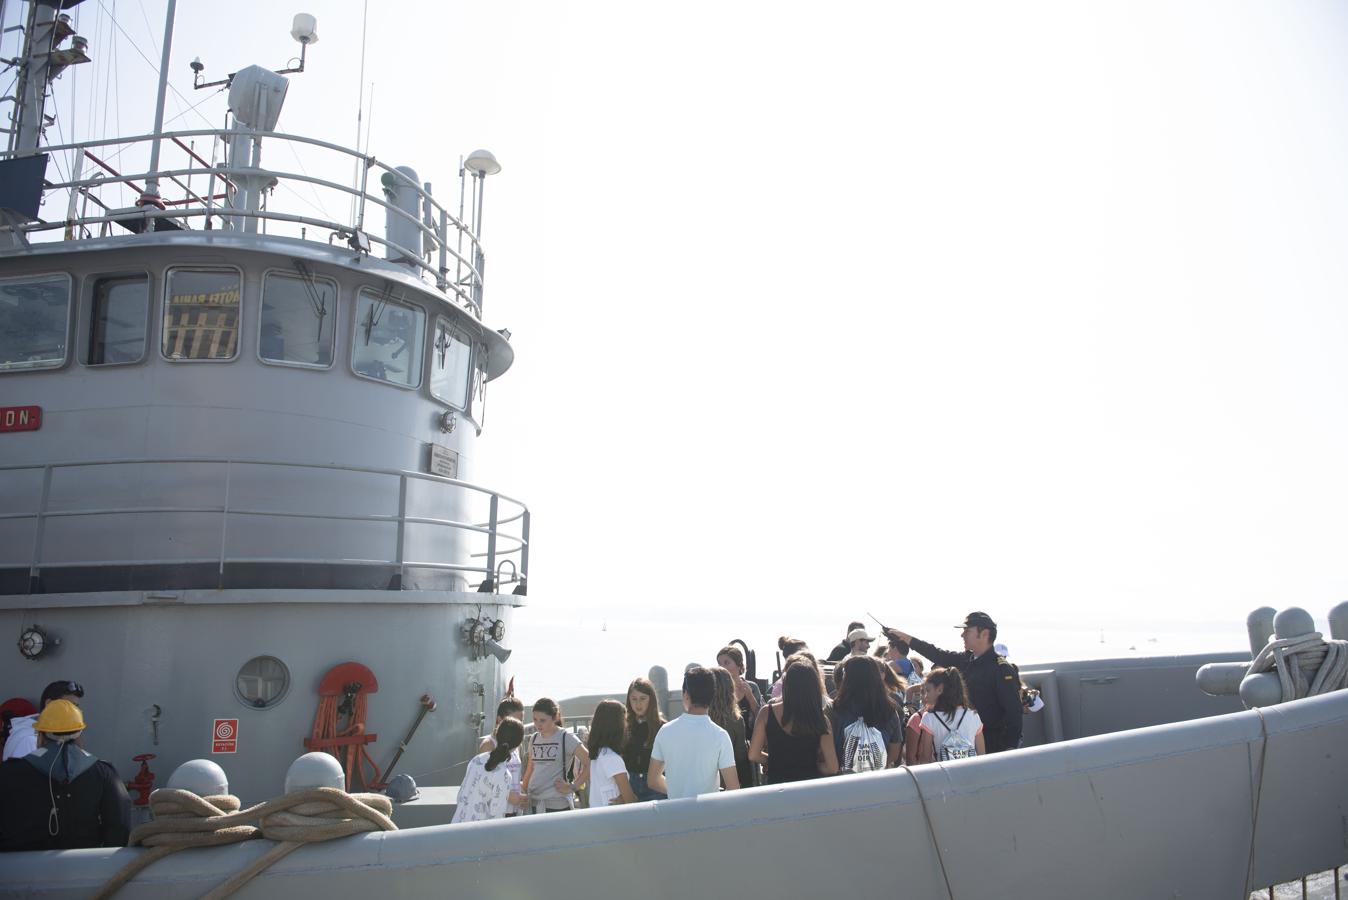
[(791, 757)]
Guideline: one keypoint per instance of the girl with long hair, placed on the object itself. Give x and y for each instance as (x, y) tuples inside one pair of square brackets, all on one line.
[(509, 708), (862, 694), (792, 735), (747, 694), (789, 647), (643, 721), (557, 762), (950, 728), (609, 783), (487, 789), (724, 711)]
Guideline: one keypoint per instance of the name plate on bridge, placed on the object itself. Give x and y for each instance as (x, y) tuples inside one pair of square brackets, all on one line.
[(25, 418), (444, 462)]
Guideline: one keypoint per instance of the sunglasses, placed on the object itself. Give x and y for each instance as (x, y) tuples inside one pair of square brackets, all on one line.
[(74, 687)]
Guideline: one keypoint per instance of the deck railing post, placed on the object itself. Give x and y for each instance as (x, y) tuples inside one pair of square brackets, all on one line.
[(224, 526), (402, 526), (39, 530), (491, 541), (524, 547)]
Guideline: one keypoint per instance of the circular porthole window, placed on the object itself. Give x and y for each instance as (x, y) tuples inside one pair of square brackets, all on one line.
[(262, 682)]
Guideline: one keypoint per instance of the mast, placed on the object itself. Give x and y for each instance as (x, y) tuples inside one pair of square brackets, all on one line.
[(41, 61), (151, 195)]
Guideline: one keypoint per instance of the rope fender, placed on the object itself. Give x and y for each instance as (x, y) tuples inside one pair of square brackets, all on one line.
[(184, 820)]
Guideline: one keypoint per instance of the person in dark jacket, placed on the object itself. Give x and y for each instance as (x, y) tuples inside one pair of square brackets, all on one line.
[(844, 648), (60, 796), (994, 684)]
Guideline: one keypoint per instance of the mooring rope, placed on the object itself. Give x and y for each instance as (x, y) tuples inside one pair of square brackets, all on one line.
[(183, 820), (931, 829), (1258, 795), (1307, 665)]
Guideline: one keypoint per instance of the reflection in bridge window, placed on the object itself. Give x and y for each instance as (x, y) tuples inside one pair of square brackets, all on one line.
[(389, 339), (117, 320), (479, 396), (34, 319), (450, 356), (299, 316), (201, 314)]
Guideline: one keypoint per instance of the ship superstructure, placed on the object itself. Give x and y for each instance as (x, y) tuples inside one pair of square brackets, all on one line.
[(238, 437)]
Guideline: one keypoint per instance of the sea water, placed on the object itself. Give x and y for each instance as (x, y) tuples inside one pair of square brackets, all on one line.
[(559, 653)]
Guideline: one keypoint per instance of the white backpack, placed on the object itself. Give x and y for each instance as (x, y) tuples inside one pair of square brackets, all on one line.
[(863, 748), (954, 745)]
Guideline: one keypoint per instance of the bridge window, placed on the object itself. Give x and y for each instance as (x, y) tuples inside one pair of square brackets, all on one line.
[(451, 355), (117, 320), (201, 314), (34, 322), (299, 317), (389, 339)]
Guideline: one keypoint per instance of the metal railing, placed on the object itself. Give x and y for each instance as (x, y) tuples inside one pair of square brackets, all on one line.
[(506, 532), (117, 196)]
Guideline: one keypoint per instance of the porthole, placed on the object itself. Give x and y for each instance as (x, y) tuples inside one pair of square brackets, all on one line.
[(262, 682)]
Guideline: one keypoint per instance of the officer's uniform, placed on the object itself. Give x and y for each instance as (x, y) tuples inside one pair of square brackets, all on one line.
[(994, 691)]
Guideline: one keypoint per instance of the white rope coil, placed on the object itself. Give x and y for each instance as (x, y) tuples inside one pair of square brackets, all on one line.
[(1307, 665)]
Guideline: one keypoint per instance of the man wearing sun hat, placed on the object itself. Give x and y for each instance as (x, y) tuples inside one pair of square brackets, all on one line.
[(994, 684), (60, 796)]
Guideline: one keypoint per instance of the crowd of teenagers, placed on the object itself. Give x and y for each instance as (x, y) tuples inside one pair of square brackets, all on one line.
[(855, 711)]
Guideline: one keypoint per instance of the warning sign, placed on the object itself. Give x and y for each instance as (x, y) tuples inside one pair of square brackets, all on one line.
[(226, 736)]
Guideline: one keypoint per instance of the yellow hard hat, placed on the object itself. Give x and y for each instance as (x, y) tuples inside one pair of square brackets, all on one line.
[(60, 717)]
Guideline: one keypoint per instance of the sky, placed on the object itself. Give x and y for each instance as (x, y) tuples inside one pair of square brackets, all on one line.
[(904, 308)]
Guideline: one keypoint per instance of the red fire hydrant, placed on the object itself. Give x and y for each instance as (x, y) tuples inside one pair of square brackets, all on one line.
[(143, 783)]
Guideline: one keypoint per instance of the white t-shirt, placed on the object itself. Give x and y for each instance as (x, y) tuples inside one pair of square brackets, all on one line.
[(694, 750), (483, 794), (964, 721), (515, 766), (603, 789)]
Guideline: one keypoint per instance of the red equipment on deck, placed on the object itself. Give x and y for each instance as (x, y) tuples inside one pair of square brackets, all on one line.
[(344, 691)]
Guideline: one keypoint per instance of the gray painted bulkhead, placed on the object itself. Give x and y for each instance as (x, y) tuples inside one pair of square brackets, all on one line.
[(175, 633), (182, 654), (1179, 811)]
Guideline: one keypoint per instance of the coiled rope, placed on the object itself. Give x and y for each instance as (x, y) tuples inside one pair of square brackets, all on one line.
[(1307, 665), (183, 820)]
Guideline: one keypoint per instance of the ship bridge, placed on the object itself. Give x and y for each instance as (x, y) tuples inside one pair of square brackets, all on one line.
[(258, 377)]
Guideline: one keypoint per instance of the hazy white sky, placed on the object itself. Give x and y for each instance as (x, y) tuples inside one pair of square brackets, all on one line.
[(1029, 307)]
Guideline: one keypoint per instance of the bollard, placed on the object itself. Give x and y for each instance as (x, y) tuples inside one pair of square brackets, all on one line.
[(1338, 622), (1221, 679), (1262, 690), (660, 681), (1259, 625), (1292, 622)]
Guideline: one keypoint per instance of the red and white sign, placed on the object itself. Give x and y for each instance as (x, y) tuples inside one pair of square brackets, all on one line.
[(20, 418), (225, 737)]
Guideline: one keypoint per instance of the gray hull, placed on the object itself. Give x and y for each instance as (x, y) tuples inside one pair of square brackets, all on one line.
[(1198, 809)]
